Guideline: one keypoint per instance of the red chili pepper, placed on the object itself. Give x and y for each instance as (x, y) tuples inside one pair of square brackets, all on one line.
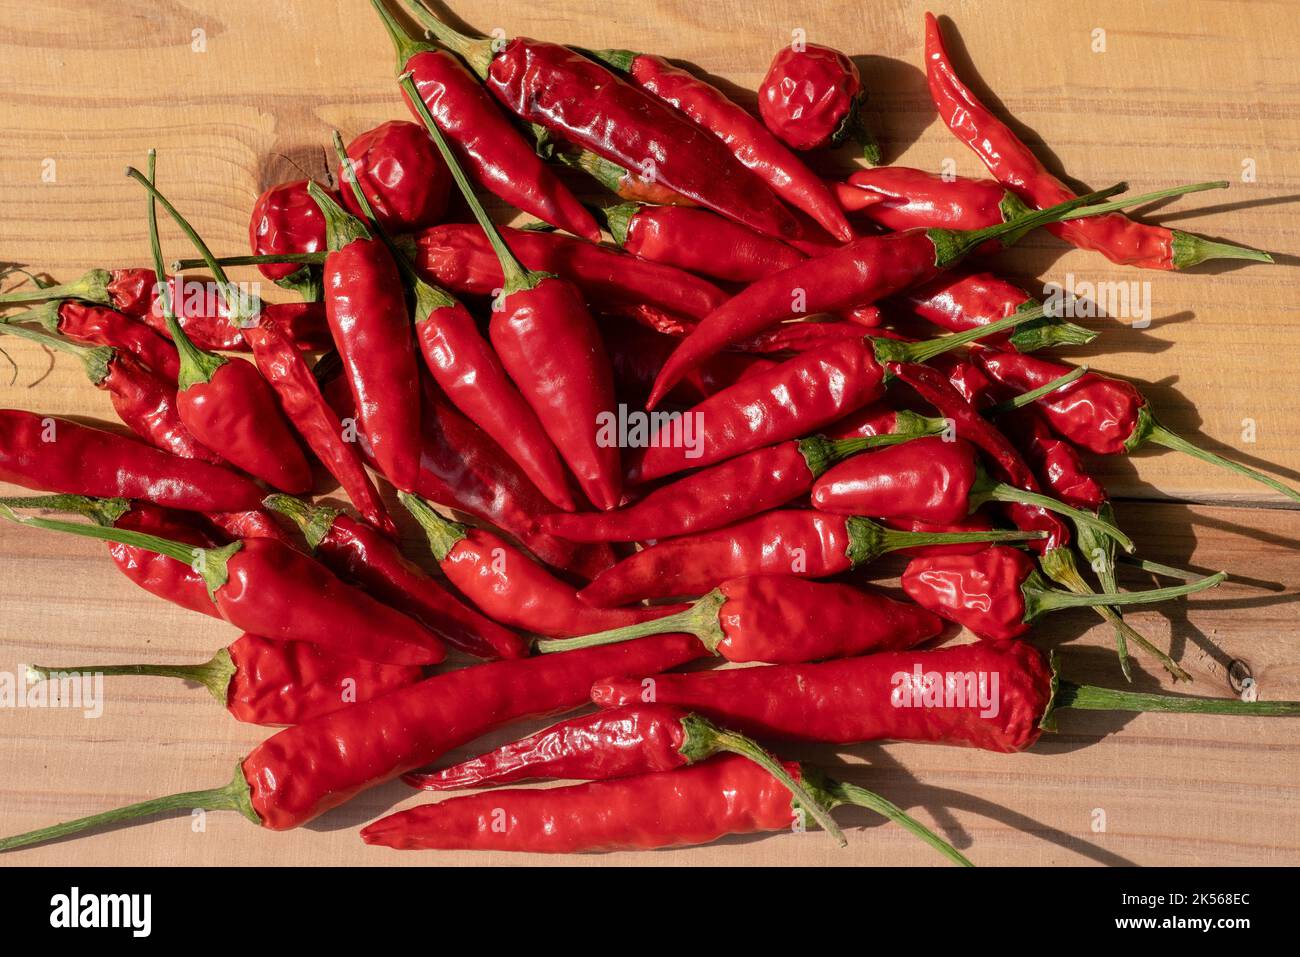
[(905, 696), (781, 618), (623, 183), (732, 490), (509, 586), (907, 198), (264, 586), (698, 241), (56, 455), (749, 141), (637, 354), (782, 542), (372, 330), (301, 772), (487, 141), (812, 98), (783, 338), (225, 403), (286, 220), (101, 326), (256, 523), (579, 100), (1054, 460), (404, 180), (1014, 165), (550, 346), (359, 554), (271, 682), (863, 272), (1103, 415), (458, 256)]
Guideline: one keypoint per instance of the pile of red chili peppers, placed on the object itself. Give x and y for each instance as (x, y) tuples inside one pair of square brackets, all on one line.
[(497, 384)]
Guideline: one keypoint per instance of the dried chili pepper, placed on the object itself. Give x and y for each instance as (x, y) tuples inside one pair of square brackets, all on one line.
[(404, 180), (101, 326), (1104, 415), (731, 490), (782, 618), (998, 592), (57, 455), (509, 586), (225, 403), (550, 346), (797, 542), (487, 141), (1014, 165), (266, 587), (581, 101), (812, 98), (865, 271), (270, 682), (303, 771), (749, 141), (948, 696), (286, 220), (357, 553)]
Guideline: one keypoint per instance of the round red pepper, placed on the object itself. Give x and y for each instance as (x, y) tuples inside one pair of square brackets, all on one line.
[(812, 98), (286, 220), (404, 179)]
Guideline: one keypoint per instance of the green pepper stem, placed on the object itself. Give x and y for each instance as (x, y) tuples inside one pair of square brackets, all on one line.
[(1092, 698), (869, 540), (235, 796), (1049, 333), (1027, 398), (986, 489), (341, 227), (262, 259), (1039, 599), (214, 674), (1155, 568), (1157, 433), (516, 277), (101, 511), (477, 52), (442, 533), (1101, 209), (820, 452), (92, 287), (894, 350), (705, 739), (701, 620), (314, 521), (1190, 250), (1089, 544), (96, 359), (405, 44), (618, 219), (620, 60), (208, 562)]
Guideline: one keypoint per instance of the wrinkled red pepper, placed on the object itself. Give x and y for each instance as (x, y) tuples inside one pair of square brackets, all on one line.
[(812, 98), (286, 220), (404, 180)]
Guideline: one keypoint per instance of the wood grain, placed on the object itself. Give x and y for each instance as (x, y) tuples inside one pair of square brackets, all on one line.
[(1184, 92)]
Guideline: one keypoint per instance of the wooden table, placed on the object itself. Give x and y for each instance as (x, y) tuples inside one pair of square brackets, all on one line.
[(242, 94)]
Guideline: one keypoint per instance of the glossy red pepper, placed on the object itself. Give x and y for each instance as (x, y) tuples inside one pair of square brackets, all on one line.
[(271, 682), (509, 586), (485, 139), (749, 141), (906, 198), (1104, 415), (1014, 165), (737, 488), (359, 554), (256, 523), (579, 100), (264, 586), (637, 354), (812, 98), (999, 591), (797, 542), (286, 220), (57, 455), (301, 772), (1055, 461), (101, 326), (550, 346), (405, 181), (633, 187), (782, 618)]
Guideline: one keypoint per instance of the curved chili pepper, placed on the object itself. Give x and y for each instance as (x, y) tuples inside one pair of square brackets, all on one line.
[(404, 180), (637, 354), (458, 256), (1103, 415), (946, 696), (286, 220), (1054, 460), (698, 241), (749, 141), (225, 403), (580, 100), (264, 586), (1014, 165), (867, 270), (550, 345), (101, 326), (781, 618), (781, 542), (998, 592), (303, 771), (734, 489), (931, 479), (57, 455), (271, 682), (906, 198), (358, 553), (812, 98), (623, 183), (486, 140), (510, 587)]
